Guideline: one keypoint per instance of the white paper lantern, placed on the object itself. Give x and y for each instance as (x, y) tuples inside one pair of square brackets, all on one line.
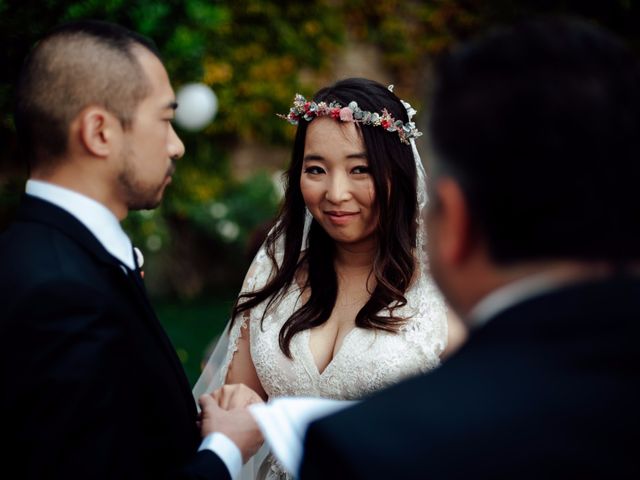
[(197, 105)]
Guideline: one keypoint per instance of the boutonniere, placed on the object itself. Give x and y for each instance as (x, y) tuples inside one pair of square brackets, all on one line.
[(140, 260)]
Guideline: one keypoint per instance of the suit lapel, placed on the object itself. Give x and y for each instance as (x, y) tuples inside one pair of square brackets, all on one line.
[(35, 210), (143, 298)]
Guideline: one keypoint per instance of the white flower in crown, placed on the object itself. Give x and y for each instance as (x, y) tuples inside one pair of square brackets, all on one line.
[(410, 110)]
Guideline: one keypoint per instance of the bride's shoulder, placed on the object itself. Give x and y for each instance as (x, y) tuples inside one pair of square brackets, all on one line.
[(426, 316)]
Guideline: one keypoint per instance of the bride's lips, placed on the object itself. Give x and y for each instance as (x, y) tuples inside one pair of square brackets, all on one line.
[(339, 217)]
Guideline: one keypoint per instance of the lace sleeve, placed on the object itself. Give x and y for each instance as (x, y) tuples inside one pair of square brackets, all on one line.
[(427, 328), (215, 370)]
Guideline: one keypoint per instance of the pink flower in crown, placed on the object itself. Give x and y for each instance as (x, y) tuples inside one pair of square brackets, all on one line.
[(335, 113), (346, 114), (307, 107)]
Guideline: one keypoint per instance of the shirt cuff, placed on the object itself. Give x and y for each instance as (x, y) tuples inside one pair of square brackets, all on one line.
[(228, 451), (284, 422)]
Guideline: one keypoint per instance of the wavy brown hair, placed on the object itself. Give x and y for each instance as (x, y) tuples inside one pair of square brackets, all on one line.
[(393, 169)]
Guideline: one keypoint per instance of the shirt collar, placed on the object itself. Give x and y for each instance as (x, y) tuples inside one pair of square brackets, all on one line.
[(512, 294), (98, 219)]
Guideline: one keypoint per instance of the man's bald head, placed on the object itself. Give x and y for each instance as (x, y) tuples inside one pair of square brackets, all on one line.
[(77, 65)]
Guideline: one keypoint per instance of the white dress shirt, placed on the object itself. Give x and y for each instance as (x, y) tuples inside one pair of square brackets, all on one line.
[(284, 422), (104, 225), (98, 219)]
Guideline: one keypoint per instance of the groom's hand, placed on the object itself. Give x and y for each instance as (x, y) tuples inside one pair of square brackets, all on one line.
[(238, 424), (235, 396)]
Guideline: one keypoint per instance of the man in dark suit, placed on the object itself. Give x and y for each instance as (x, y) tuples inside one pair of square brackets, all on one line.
[(534, 238), (91, 385)]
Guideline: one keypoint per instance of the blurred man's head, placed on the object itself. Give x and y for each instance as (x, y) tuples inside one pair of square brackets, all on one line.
[(97, 91), (536, 131)]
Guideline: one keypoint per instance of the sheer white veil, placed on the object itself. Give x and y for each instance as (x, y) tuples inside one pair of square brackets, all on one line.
[(215, 370)]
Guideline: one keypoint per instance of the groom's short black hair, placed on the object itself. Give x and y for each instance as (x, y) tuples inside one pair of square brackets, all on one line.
[(540, 125), (81, 63)]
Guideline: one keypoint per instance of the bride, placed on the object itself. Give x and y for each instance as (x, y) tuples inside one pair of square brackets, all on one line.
[(338, 302)]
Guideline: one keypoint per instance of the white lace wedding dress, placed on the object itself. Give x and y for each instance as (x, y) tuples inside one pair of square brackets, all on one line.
[(368, 360)]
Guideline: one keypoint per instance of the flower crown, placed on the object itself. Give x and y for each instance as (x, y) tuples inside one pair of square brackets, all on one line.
[(308, 110)]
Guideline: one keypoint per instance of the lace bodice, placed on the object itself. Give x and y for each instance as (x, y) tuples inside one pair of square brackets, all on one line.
[(368, 360)]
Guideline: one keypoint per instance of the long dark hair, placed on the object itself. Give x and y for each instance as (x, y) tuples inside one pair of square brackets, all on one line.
[(393, 169)]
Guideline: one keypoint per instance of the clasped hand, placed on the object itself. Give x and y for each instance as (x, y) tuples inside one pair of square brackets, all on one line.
[(225, 411)]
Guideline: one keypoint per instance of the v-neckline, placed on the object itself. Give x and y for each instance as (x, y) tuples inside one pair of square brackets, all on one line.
[(336, 355), (306, 338)]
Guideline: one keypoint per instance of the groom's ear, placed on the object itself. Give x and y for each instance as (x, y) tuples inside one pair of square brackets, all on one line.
[(455, 232), (96, 131)]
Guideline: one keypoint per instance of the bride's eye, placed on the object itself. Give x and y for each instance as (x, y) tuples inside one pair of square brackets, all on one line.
[(360, 169), (313, 170)]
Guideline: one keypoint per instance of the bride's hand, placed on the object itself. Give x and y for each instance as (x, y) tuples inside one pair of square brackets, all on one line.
[(235, 396), (238, 425)]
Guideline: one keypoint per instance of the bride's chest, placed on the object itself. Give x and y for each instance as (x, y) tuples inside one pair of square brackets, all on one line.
[(364, 360)]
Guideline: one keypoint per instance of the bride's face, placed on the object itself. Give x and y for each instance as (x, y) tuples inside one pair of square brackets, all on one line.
[(336, 183)]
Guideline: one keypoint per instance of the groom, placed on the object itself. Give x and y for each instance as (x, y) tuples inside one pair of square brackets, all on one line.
[(534, 238), (91, 385)]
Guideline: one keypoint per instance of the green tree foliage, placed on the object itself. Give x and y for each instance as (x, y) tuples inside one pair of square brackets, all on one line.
[(411, 33), (406, 31), (255, 54)]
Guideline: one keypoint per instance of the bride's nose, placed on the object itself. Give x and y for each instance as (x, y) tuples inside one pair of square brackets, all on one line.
[(338, 189)]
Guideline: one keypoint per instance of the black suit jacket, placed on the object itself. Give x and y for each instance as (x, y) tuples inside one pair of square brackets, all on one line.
[(549, 388), (91, 385)]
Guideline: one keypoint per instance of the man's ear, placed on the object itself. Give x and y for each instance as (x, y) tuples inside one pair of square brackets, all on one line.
[(97, 130), (455, 230)]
